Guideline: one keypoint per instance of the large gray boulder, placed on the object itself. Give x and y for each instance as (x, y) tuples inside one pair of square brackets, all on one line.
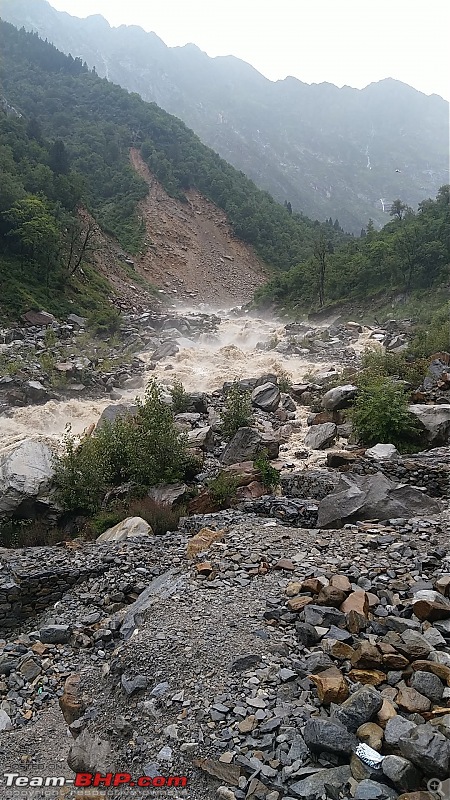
[(359, 497), (165, 350), (266, 397), (321, 436), (115, 411), (246, 444), (339, 397), (434, 422), (26, 471)]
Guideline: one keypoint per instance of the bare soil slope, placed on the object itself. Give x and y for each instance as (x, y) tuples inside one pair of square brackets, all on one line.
[(191, 251)]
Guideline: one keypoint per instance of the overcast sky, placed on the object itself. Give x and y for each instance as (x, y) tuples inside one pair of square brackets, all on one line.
[(352, 42)]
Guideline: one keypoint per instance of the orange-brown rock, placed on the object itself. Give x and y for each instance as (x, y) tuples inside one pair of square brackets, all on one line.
[(409, 699), (202, 541), (356, 622), (331, 686), (341, 651), (285, 564), (356, 601), (386, 712), (204, 568), (312, 585), (395, 661), (441, 670), (432, 609), (372, 676), (251, 491), (372, 734), (293, 588), (330, 596), (417, 796), (298, 603), (443, 584), (71, 702)]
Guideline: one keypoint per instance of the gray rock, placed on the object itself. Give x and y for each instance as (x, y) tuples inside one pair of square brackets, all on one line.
[(165, 350), (5, 721), (267, 397), (327, 735), (116, 411), (359, 708), (200, 437), (74, 319), (320, 436), (168, 493), (313, 787), (434, 420), (30, 669), (26, 471), (396, 728), (131, 526), (428, 749), (428, 684), (35, 392), (133, 685), (401, 772), (161, 588), (55, 634), (382, 452), (339, 397), (359, 497), (372, 790), (90, 754), (243, 446)]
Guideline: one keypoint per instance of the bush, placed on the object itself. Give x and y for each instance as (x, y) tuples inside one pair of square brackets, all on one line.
[(284, 381), (222, 489), (104, 322), (238, 411), (180, 398), (435, 336), (380, 414), (270, 477), (380, 363), (145, 449), (28, 533)]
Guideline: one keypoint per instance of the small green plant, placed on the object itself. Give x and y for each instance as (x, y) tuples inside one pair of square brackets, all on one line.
[(47, 362), (28, 533), (223, 488), (383, 364), (284, 381), (50, 339), (270, 477), (180, 398), (380, 414), (238, 411), (104, 322)]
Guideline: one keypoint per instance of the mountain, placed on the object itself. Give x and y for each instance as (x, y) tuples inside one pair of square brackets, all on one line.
[(340, 153)]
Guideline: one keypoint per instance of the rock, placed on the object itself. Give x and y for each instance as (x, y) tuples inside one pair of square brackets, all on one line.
[(331, 686), (372, 790), (267, 397), (359, 708), (321, 436), (133, 685), (5, 721), (396, 728), (298, 603), (372, 497), (71, 702), (200, 437), (431, 605), (74, 319), (428, 685), (35, 392), (434, 420), (90, 754), (401, 772), (356, 601), (313, 787), (26, 471), (328, 735), (382, 452), (55, 634), (131, 526), (243, 446), (202, 541), (339, 397), (372, 734), (113, 412), (168, 494), (165, 350), (427, 749), (39, 319)]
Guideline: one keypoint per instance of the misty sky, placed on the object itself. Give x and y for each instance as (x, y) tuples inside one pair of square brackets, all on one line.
[(351, 42)]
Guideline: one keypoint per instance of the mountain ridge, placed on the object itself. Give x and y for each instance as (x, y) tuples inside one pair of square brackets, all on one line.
[(329, 151)]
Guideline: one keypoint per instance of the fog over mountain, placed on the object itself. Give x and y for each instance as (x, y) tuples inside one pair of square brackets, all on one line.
[(340, 153)]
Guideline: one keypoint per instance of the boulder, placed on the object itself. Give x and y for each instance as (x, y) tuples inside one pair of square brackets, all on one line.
[(359, 497), (321, 436), (339, 397), (113, 412), (26, 471), (35, 392), (132, 526), (434, 420), (267, 397), (200, 437), (314, 786), (89, 753), (165, 350), (246, 444), (168, 494), (382, 452)]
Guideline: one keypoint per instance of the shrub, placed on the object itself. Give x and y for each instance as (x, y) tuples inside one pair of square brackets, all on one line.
[(104, 322), (238, 411), (160, 516), (180, 398), (435, 336), (380, 414), (145, 449), (379, 363), (222, 489), (284, 381), (28, 533), (270, 477)]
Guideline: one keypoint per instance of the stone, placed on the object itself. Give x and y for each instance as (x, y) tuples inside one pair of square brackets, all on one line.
[(434, 421), (200, 437), (366, 656), (5, 721), (35, 392), (89, 753), (202, 541), (356, 601), (339, 397), (168, 494), (133, 685), (320, 436), (131, 526), (313, 786), (431, 605), (359, 708), (267, 397), (382, 452), (30, 669), (372, 734), (372, 677), (298, 603), (165, 350), (26, 471), (372, 790), (331, 686), (243, 446), (427, 749), (428, 685), (401, 772), (116, 411), (55, 634), (396, 727), (359, 497), (71, 702), (330, 596), (386, 712), (328, 735)]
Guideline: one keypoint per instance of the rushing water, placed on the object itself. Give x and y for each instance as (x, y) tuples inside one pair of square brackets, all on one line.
[(202, 365)]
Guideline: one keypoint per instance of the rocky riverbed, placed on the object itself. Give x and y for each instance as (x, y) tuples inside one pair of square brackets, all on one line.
[(295, 645)]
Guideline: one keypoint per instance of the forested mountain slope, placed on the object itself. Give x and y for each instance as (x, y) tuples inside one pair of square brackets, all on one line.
[(343, 153)]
